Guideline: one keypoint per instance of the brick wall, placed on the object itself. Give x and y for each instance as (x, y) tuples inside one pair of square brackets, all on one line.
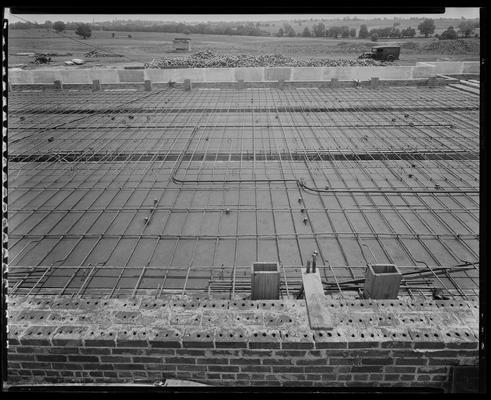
[(239, 343)]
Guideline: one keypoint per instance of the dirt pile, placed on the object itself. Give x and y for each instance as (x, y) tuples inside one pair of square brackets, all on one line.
[(209, 59)]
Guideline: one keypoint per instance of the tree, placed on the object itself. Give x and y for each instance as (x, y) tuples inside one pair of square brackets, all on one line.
[(449, 34), (467, 27), (408, 32), (427, 27), (344, 31), (352, 32), (306, 32), (59, 26), (363, 33), (288, 30), (84, 31), (48, 24), (374, 37), (280, 32), (334, 31), (113, 35), (319, 30)]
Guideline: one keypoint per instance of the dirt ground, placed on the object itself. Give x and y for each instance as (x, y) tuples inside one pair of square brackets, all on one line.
[(144, 46)]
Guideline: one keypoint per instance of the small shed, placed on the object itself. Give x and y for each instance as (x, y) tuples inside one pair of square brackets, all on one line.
[(182, 44)]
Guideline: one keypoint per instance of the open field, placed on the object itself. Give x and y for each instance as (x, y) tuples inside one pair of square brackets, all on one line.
[(145, 46)]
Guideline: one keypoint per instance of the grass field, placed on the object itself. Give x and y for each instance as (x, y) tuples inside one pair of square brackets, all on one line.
[(145, 46)]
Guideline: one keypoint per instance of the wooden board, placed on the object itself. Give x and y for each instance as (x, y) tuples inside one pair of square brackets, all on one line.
[(319, 316)]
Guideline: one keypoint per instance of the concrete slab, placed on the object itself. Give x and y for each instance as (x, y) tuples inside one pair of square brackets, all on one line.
[(219, 74), (76, 76), (423, 71), (277, 74), (46, 76), (249, 74), (104, 76), (471, 67), (130, 75), (307, 74)]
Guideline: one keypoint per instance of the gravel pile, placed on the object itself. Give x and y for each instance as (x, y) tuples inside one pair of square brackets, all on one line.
[(209, 59)]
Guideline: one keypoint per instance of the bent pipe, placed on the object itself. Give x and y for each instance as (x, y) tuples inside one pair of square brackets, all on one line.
[(315, 190)]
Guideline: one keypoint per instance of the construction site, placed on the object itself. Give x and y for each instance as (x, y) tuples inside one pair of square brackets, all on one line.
[(310, 226)]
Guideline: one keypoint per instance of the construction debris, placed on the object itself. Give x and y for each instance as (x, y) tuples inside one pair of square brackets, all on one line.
[(96, 53), (209, 59), (40, 58)]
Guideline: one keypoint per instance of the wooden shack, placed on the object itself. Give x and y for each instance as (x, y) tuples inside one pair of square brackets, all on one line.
[(182, 44)]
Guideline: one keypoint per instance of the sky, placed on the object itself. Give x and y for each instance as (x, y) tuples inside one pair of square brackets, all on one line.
[(467, 12)]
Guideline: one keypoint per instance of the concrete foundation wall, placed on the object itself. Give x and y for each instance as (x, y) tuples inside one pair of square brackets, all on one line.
[(219, 342), (421, 70), (453, 67)]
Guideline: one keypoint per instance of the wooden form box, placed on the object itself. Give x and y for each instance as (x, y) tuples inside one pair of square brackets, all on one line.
[(382, 281), (265, 281)]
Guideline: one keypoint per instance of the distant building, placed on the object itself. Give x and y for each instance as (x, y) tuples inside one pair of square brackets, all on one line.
[(182, 44)]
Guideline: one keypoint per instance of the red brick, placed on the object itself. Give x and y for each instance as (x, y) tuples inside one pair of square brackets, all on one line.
[(360, 377), (51, 358), (247, 361), (130, 367), (94, 350), (367, 368), (140, 359), (20, 357), (97, 366), (391, 377), (212, 360), (443, 361), (377, 361), (283, 361), (410, 361), (255, 368), (180, 360), (83, 358), (287, 353), (424, 377), (311, 362), (222, 368)]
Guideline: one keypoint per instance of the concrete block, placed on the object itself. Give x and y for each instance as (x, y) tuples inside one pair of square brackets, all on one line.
[(447, 67), (155, 75), (402, 72), (187, 84), (45, 76), (75, 76), (241, 84), (307, 74), (96, 84), (128, 75), (249, 74), (104, 75), (219, 74), (423, 71), (374, 82), (148, 85), (58, 85), (277, 74), (471, 67), (16, 77), (334, 82), (179, 75)]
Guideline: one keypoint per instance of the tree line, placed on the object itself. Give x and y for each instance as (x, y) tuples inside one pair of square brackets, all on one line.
[(427, 28)]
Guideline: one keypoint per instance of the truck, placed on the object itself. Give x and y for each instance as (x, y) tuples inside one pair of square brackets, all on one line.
[(383, 53)]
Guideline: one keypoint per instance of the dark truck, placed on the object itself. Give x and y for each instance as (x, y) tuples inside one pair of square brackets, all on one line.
[(383, 53)]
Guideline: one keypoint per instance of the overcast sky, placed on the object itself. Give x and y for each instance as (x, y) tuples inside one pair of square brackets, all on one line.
[(467, 12)]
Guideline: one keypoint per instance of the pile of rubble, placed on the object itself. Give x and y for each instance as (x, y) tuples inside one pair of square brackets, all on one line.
[(209, 59), (95, 53)]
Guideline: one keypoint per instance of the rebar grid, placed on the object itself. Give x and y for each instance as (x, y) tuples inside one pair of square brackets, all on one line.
[(386, 175)]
